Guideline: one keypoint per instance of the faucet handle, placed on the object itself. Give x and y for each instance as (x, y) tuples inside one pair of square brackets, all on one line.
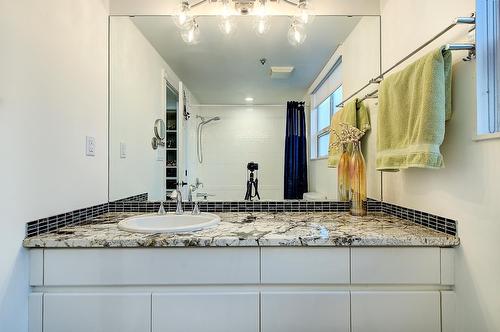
[(196, 209), (161, 210)]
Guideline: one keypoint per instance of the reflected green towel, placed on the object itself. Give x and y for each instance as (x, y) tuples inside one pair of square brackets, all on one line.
[(414, 105), (353, 113)]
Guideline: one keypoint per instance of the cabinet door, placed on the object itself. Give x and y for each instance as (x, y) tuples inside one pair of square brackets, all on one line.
[(305, 265), (395, 265), (207, 312), (151, 266), (305, 311), (395, 311), (79, 312)]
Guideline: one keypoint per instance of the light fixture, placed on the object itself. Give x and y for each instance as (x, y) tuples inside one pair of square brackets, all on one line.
[(261, 25), (191, 35), (229, 8), (296, 34), (304, 15), (227, 25), (260, 8), (183, 18), (248, 99)]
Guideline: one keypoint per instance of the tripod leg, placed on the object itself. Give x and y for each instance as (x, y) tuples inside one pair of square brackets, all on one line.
[(256, 185)]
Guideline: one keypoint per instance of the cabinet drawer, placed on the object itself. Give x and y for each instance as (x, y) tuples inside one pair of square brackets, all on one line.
[(305, 265), (305, 311), (395, 311), (395, 266), (98, 312), (207, 312), (175, 266)]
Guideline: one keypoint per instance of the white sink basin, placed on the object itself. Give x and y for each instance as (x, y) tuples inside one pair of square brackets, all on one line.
[(168, 223)]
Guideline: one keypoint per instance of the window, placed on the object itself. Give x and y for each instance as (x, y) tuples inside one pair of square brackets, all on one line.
[(320, 123), (488, 68)]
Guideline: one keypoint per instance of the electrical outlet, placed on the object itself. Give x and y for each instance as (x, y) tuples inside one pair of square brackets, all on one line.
[(90, 146), (123, 150)]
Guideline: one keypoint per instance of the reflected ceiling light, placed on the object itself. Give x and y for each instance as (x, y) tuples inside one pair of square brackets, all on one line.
[(249, 99), (183, 18), (296, 34), (304, 15), (191, 35)]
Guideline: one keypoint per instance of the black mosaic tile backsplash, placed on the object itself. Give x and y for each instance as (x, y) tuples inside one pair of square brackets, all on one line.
[(254, 206), (139, 203), (441, 224), (76, 217)]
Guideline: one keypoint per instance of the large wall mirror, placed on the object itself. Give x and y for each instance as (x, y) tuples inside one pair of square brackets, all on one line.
[(223, 99)]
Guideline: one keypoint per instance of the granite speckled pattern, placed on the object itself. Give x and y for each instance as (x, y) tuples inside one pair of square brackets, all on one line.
[(253, 229)]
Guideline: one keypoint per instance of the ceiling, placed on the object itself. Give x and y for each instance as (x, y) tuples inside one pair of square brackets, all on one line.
[(221, 70)]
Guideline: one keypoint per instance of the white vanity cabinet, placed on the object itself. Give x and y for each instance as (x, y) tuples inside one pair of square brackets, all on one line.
[(286, 311), (97, 312), (208, 312), (395, 311), (247, 289)]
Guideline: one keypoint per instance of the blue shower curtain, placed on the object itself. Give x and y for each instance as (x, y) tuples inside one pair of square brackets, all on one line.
[(295, 151)]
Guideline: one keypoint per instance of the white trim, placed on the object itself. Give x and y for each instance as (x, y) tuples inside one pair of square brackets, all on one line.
[(485, 137), (324, 72)]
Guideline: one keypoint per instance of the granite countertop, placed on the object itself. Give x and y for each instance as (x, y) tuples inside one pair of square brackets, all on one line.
[(246, 229)]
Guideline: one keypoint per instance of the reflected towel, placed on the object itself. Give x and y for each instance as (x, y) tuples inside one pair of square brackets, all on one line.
[(354, 113), (414, 105)]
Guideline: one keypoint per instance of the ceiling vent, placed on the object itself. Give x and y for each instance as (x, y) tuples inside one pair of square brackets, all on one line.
[(281, 73)]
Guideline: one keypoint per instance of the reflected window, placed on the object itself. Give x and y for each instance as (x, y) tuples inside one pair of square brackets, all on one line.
[(321, 117)]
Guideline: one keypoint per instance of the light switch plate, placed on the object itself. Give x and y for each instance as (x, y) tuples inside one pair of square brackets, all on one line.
[(90, 146), (160, 154), (123, 150)]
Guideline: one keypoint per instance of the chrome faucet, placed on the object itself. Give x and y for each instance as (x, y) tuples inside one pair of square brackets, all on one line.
[(192, 188), (177, 195)]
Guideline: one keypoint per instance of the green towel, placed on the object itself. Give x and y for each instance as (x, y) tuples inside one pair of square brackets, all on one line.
[(353, 113), (414, 105)]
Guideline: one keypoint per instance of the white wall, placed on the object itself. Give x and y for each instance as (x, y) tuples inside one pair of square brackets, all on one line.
[(360, 62), (137, 99), (244, 134), (468, 188), (53, 92)]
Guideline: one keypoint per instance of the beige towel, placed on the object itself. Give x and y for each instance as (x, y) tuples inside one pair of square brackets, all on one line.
[(353, 113), (414, 105)]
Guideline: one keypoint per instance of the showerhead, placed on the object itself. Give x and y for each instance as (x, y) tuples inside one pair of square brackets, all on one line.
[(215, 118)]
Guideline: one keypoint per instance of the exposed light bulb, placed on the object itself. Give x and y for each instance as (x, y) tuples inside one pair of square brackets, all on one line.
[(297, 34), (261, 25), (304, 15), (191, 34), (227, 26), (183, 19), (226, 10), (260, 9)]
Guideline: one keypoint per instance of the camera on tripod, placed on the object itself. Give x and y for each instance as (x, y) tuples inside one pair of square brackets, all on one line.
[(252, 182), (252, 167)]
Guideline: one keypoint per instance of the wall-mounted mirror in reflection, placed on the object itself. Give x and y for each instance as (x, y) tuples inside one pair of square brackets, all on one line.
[(246, 113)]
